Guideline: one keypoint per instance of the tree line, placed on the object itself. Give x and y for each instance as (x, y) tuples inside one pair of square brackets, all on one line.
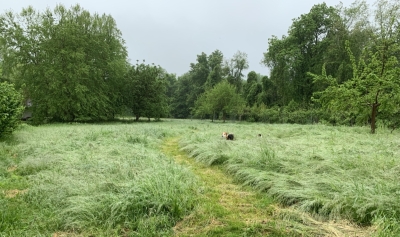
[(337, 65), (72, 66)]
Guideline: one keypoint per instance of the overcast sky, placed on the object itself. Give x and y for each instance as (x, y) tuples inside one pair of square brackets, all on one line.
[(171, 33)]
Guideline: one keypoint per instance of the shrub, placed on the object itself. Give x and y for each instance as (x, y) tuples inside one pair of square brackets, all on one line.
[(10, 108)]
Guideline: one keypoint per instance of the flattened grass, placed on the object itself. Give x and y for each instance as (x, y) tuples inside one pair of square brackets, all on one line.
[(113, 180), (331, 172)]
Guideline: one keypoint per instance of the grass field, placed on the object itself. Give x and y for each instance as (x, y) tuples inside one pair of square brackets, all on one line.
[(100, 180), (134, 179), (332, 172)]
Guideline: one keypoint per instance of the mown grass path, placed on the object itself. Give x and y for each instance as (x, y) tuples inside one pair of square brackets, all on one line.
[(229, 209)]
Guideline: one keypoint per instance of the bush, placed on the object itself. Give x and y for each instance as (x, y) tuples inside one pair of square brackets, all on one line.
[(11, 108)]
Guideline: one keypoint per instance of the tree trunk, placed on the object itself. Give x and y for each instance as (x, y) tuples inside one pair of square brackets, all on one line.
[(374, 112), (137, 118), (373, 116)]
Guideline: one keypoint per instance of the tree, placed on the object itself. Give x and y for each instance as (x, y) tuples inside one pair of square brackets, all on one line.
[(269, 95), (180, 103), (234, 69), (171, 86), (215, 64), (220, 99), (146, 91), (252, 88), (303, 50), (11, 108), (279, 58), (198, 75), (374, 87), (68, 62), (353, 25)]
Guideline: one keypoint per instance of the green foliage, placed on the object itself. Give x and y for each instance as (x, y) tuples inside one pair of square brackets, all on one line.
[(216, 73), (303, 50), (292, 113), (374, 85), (11, 108), (234, 68), (180, 101), (145, 91), (252, 88), (220, 99), (68, 62)]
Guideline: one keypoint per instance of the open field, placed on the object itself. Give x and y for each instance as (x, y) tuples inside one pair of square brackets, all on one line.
[(134, 179), (331, 172), (93, 180)]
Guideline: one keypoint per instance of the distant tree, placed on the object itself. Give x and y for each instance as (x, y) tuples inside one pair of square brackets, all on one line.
[(269, 95), (223, 98), (171, 86), (351, 24), (11, 108), (252, 88), (199, 72), (279, 60), (303, 50), (234, 69), (180, 102), (215, 76), (146, 91)]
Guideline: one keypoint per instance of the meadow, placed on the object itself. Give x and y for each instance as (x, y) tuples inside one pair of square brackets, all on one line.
[(115, 179), (332, 172), (96, 180)]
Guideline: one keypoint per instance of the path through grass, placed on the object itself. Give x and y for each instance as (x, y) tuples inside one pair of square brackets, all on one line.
[(229, 209)]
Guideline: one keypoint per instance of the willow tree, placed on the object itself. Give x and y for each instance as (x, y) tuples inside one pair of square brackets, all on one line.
[(67, 61)]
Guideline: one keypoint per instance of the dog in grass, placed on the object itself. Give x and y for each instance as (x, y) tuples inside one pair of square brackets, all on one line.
[(228, 136)]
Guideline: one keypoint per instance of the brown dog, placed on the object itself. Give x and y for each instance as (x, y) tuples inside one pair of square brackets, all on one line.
[(228, 136)]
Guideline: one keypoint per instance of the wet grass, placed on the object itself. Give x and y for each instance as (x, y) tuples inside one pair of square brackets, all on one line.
[(140, 179), (92, 180), (332, 173)]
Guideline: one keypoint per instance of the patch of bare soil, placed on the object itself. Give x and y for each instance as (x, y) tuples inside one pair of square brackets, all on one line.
[(64, 234), (14, 192), (12, 168)]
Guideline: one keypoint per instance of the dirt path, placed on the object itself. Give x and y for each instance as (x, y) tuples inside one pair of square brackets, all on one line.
[(230, 209)]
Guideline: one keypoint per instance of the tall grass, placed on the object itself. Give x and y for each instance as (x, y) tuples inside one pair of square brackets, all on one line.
[(112, 179), (332, 172), (98, 180)]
